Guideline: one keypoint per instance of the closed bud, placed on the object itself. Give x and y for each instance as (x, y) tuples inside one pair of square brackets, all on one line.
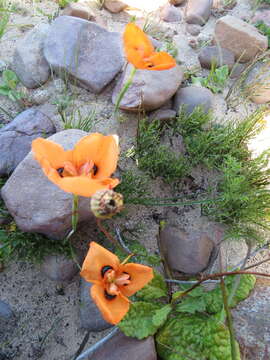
[(106, 203)]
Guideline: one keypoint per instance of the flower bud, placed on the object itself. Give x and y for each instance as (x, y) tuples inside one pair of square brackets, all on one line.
[(106, 203)]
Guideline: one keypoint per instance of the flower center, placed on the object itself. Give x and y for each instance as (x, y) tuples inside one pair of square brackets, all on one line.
[(112, 281), (69, 169)]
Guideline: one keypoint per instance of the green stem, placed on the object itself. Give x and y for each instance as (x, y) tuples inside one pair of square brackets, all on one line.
[(124, 90), (75, 213), (148, 202), (229, 319)]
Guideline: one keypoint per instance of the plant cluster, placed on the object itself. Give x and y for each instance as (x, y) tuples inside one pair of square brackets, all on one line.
[(215, 81)]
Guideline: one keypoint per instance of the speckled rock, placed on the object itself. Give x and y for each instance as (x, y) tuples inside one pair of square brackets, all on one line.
[(192, 96), (29, 62), (17, 136), (243, 39), (126, 348), (198, 12), (188, 253), (60, 268), (40, 206), (252, 323), (114, 6), (216, 55), (90, 316), (257, 83), (88, 54), (170, 13), (163, 115), (149, 89)]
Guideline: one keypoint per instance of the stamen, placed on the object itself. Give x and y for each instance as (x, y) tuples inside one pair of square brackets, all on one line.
[(105, 269), (69, 169)]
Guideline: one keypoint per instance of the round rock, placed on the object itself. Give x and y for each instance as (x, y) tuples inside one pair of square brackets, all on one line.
[(170, 13), (215, 55), (192, 96)]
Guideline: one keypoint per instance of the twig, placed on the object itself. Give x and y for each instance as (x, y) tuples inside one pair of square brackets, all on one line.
[(83, 343), (96, 346), (120, 240), (257, 264)]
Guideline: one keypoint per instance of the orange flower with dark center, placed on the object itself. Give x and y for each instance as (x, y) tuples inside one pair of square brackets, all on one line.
[(81, 171), (113, 281), (141, 53)]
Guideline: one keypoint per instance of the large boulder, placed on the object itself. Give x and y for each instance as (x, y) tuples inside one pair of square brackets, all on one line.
[(83, 51), (149, 89), (126, 348), (38, 205), (29, 62), (243, 39), (17, 136)]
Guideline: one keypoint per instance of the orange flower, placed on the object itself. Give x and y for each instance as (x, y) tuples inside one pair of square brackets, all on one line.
[(113, 281), (140, 51), (81, 171)]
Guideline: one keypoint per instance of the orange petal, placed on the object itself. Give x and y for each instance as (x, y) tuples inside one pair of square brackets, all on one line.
[(135, 39), (140, 275), (96, 258), (160, 61), (81, 185), (102, 150), (112, 310), (54, 153)]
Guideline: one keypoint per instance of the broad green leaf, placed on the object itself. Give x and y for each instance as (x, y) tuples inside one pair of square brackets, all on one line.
[(194, 337), (156, 289), (4, 90), (192, 305), (143, 319), (10, 79)]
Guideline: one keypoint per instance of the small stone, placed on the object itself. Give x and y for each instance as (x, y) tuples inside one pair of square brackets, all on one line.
[(126, 348), (193, 29), (6, 312), (81, 10), (90, 315), (149, 89), (86, 53), (60, 268), (198, 12), (193, 43), (257, 83), (29, 62), (241, 38), (170, 13), (17, 136), (114, 6), (215, 55), (252, 323), (163, 115), (40, 206), (188, 253), (192, 96), (262, 15)]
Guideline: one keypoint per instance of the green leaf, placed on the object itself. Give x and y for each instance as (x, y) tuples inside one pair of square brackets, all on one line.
[(193, 337), (156, 289), (10, 79), (192, 305), (143, 319), (4, 90)]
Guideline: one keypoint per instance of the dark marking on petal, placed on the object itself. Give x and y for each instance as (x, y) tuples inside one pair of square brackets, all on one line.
[(105, 269), (60, 171), (95, 169), (109, 296)]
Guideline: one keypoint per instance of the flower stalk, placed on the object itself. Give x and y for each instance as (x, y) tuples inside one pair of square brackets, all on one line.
[(124, 90)]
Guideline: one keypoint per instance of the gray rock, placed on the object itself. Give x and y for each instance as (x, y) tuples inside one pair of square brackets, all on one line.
[(216, 55), (243, 39), (90, 315), (198, 12), (237, 70), (29, 62), (83, 51), (16, 137), (6, 312), (114, 6), (193, 29), (40, 206), (126, 348), (257, 83), (60, 268), (149, 89), (192, 96), (252, 323), (163, 115), (170, 13), (3, 66), (188, 253)]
